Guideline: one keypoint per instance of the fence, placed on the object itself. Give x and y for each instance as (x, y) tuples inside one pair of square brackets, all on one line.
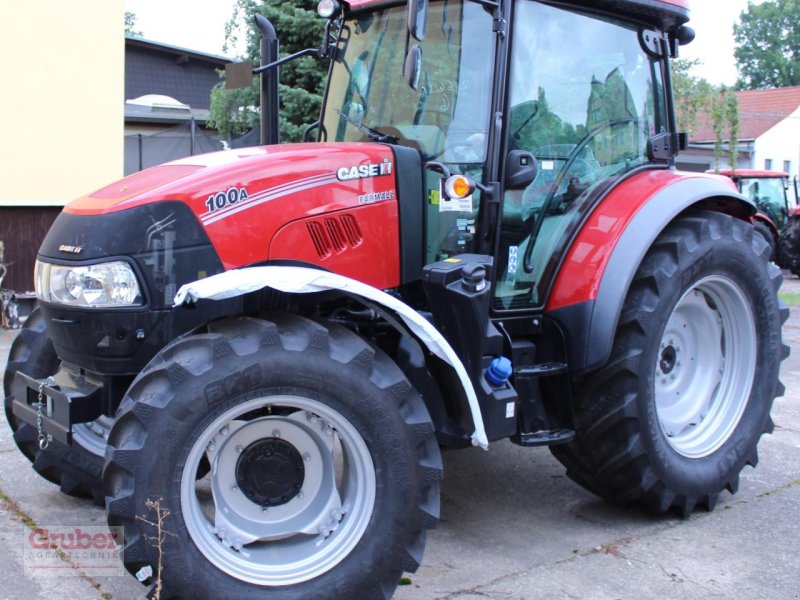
[(186, 139)]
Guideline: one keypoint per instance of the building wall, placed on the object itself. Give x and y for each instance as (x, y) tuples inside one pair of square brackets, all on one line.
[(781, 143), (62, 99)]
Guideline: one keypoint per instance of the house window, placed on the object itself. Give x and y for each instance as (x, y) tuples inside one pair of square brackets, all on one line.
[(787, 166), (768, 164)]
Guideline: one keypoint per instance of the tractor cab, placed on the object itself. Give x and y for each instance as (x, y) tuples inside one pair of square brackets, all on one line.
[(769, 190), (544, 107)]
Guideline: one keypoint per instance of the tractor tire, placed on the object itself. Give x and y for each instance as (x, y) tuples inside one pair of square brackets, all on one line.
[(76, 469), (769, 236), (348, 443), (788, 255), (676, 413)]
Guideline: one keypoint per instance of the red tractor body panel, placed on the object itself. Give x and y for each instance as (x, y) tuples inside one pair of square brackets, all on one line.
[(583, 269), (325, 204)]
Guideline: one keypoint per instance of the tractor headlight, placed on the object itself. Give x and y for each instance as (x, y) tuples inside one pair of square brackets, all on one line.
[(104, 285), (327, 8)]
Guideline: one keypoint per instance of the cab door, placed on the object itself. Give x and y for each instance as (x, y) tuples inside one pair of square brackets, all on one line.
[(584, 98)]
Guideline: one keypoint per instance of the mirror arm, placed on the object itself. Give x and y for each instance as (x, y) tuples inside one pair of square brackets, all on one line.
[(318, 52)]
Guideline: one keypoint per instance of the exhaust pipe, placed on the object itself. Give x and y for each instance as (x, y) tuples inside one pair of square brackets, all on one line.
[(270, 102)]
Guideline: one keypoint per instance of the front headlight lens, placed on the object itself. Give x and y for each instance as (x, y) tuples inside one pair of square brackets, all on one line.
[(104, 285)]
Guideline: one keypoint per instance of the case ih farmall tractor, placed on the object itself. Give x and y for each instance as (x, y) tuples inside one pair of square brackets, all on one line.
[(488, 240)]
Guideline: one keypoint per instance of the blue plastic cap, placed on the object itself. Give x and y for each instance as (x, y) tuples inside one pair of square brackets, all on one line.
[(499, 371)]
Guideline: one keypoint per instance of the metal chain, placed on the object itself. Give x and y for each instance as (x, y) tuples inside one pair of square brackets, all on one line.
[(44, 440)]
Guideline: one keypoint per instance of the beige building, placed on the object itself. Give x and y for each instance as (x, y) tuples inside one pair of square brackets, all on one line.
[(62, 103)]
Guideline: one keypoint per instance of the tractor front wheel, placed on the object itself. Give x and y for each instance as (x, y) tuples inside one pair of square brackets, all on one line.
[(678, 410), (76, 469), (285, 458)]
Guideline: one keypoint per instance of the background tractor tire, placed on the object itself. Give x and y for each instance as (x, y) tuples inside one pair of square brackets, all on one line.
[(215, 413), (769, 236), (788, 254), (677, 412), (77, 470)]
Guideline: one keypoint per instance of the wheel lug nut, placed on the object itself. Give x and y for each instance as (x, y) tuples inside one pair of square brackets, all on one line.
[(276, 433), (239, 449), (234, 488), (306, 457)]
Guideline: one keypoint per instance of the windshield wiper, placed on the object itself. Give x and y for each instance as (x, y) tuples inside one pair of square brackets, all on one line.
[(373, 134)]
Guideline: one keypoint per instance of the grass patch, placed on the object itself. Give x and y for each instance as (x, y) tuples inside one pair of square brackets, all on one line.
[(790, 298)]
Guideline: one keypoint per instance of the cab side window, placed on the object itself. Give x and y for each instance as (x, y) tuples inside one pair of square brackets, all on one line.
[(584, 100)]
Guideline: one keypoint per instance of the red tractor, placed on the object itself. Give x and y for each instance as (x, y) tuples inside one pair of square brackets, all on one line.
[(769, 190), (487, 240)]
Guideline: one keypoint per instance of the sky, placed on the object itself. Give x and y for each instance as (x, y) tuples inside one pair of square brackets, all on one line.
[(201, 26)]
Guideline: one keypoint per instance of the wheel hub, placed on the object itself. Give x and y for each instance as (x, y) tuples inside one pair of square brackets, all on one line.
[(669, 357), (270, 472)]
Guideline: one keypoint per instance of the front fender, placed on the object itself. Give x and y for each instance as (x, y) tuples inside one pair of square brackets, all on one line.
[(593, 282), (304, 280)]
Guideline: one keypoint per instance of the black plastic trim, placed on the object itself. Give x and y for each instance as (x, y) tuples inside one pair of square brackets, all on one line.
[(410, 203)]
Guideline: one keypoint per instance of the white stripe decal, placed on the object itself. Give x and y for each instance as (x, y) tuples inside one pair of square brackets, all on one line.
[(267, 196), (263, 193)]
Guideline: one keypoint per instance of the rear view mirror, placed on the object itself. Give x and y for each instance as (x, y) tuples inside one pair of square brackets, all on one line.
[(417, 15), (413, 66), (238, 75)]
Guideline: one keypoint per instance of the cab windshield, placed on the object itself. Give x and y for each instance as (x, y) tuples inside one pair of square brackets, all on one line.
[(447, 118), (769, 194)]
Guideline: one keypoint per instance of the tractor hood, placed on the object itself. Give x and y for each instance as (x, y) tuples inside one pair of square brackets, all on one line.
[(251, 171), (334, 205)]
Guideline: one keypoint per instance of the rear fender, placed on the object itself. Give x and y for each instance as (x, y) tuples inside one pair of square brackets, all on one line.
[(587, 298), (305, 280)]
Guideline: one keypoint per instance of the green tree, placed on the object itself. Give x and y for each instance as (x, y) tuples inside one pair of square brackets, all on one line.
[(301, 81), (768, 45), (718, 106), (130, 24)]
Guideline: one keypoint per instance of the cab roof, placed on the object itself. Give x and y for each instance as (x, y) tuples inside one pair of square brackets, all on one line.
[(667, 13)]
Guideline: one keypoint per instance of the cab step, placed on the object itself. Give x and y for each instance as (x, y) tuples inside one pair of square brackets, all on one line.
[(548, 369), (545, 437)]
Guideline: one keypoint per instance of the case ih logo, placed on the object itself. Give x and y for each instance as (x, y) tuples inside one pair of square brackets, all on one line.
[(363, 171), (70, 249)]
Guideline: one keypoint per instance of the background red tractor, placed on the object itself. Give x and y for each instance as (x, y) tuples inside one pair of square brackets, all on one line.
[(487, 240), (776, 203)]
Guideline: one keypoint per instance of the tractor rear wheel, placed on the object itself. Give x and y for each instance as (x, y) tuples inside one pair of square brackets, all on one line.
[(76, 469), (286, 458), (679, 408)]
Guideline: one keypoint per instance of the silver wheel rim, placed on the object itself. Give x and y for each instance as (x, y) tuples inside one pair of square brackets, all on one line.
[(307, 535), (93, 436), (705, 367)]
